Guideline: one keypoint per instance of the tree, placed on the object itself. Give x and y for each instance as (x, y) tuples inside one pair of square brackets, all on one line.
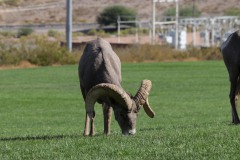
[(110, 14)]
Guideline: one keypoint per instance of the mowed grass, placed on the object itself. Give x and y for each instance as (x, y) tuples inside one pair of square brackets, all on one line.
[(42, 115)]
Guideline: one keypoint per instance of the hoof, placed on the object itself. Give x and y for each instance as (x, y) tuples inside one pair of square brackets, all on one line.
[(106, 134), (235, 122), (85, 135)]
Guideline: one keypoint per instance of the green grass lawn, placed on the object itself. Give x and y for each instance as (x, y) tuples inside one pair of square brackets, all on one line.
[(42, 115)]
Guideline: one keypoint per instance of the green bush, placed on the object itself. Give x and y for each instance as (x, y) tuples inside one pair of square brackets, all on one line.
[(94, 32), (110, 15), (129, 31), (8, 53), (132, 31), (53, 33), (101, 33), (40, 51), (24, 32), (76, 34)]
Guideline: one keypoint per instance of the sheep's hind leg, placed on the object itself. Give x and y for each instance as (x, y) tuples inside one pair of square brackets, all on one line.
[(237, 94), (233, 100), (107, 113)]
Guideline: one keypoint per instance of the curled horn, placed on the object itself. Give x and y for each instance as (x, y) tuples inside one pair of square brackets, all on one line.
[(141, 97), (107, 90)]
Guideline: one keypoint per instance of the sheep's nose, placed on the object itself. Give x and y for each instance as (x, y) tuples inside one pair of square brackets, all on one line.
[(129, 132)]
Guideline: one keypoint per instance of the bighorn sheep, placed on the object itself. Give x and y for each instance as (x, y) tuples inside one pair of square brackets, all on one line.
[(231, 55), (100, 77)]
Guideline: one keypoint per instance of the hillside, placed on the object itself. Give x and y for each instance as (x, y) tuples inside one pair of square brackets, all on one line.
[(52, 11)]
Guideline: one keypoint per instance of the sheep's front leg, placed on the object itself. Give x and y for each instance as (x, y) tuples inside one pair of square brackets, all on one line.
[(107, 113), (236, 102), (89, 124)]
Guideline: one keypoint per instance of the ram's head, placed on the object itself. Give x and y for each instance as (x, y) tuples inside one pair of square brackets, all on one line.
[(125, 106)]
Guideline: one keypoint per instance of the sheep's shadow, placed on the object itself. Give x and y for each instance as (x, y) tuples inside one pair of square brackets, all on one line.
[(43, 137)]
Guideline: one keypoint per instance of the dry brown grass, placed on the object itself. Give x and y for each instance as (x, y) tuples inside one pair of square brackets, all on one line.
[(35, 51), (156, 53), (22, 64)]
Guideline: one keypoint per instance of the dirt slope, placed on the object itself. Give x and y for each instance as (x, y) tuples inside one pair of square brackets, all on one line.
[(53, 11)]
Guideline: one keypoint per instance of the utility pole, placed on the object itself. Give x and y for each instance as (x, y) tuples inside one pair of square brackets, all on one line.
[(119, 28), (136, 29), (69, 25), (193, 9), (153, 22), (193, 25), (176, 30), (212, 31)]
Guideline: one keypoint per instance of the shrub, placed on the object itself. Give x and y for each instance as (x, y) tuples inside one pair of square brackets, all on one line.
[(8, 53), (8, 34), (101, 33), (37, 50), (53, 33), (94, 32), (110, 14), (24, 32), (129, 31), (132, 31), (212, 53), (75, 34)]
